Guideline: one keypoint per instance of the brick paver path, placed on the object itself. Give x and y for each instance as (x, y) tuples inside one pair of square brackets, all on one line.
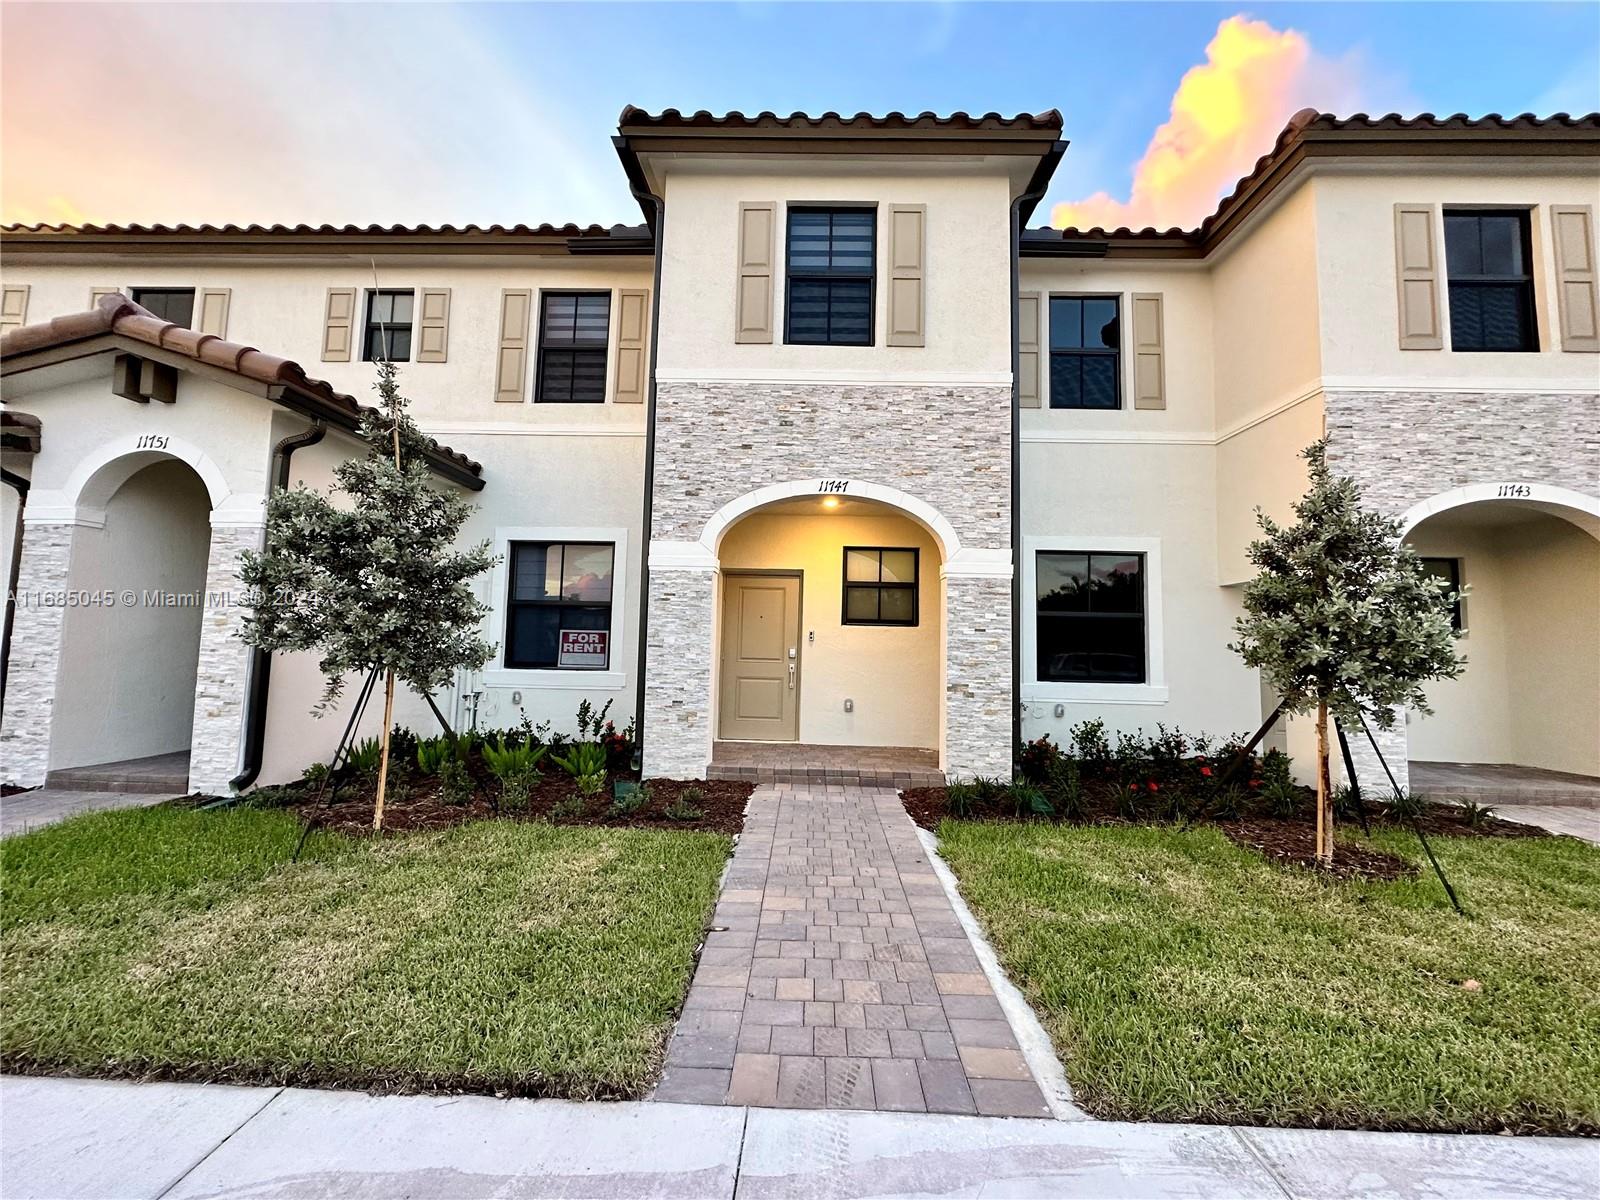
[(836, 974)]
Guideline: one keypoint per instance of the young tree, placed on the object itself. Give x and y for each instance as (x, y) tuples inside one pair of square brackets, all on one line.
[(374, 582), (1342, 617)]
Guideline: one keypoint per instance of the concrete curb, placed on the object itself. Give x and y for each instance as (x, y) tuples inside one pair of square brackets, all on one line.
[(1037, 1048)]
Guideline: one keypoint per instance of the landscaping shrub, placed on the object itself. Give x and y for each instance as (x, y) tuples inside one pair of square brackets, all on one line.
[(1405, 806), (1064, 788), (573, 806), (630, 801), (1029, 801), (455, 785), (507, 759), (363, 756), (1475, 814), (687, 806), (432, 754)]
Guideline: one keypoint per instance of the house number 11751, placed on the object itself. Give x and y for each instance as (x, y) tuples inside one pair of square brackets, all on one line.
[(151, 441)]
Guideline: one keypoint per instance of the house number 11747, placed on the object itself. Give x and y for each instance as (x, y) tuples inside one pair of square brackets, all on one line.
[(834, 486)]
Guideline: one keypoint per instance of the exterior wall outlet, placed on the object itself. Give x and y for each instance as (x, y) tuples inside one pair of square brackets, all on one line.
[(849, 706), (1061, 711)]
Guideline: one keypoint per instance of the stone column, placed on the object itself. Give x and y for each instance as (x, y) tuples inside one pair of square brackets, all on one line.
[(1369, 771), (221, 676), (679, 652), (977, 696), (46, 557)]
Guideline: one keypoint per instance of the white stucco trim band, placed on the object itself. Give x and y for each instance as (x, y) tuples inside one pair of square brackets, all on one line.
[(1154, 690), (841, 377), (1557, 501), (861, 489)]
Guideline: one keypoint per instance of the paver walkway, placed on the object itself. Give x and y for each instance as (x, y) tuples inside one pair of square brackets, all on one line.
[(837, 975), (46, 806)]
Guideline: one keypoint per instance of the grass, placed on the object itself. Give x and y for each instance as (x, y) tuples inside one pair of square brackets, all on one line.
[(1184, 978), (497, 956)]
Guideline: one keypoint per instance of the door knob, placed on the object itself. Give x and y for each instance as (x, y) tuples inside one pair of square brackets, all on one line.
[(791, 677)]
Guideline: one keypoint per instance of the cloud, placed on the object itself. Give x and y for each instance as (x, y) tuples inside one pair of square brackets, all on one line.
[(262, 113), (1225, 114)]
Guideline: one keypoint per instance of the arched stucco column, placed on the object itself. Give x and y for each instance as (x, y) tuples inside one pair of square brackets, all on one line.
[(40, 615)]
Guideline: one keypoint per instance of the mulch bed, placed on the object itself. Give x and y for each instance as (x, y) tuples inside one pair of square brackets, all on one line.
[(11, 789), (1286, 841), (416, 806)]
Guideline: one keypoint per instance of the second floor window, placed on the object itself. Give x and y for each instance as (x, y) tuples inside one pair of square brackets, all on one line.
[(831, 265), (388, 331), (574, 328), (1489, 263), (170, 304), (1085, 352)]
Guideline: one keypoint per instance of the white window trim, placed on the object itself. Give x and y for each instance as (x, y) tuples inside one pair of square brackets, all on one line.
[(1154, 689), (501, 676)]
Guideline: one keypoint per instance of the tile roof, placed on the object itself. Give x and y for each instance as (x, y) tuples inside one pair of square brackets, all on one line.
[(671, 118), (568, 230), (1308, 123), (116, 314)]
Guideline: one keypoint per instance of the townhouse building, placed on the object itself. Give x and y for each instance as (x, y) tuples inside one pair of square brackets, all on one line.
[(834, 448)]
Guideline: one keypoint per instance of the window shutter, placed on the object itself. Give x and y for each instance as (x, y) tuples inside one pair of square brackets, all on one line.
[(433, 325), (1575, 277), (1417, 273), (758, 227), (633, 332), (511, 369), (96, 292), (1029, 307), (1149, 351), (339, 325), (14, 306), (907, 255), (214, 311)]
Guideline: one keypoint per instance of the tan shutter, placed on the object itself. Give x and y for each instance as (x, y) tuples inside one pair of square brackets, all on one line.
[(214, 311), (1028, 332), (758, 227), (339, 325), (908, 243), (433, 325), (511, 369), (1417, 274), (1575, 277), (1149, 351), (14, 306), (633, 333), (96, 292)]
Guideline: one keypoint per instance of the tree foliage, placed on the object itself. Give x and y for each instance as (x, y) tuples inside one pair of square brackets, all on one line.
[(368, 576), (1341, 612)]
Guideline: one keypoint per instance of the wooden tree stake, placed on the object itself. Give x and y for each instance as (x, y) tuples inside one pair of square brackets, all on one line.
[(383, 763), (1324, 791)]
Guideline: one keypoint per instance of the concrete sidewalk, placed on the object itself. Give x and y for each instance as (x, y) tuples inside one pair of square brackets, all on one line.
[(63, 1139)]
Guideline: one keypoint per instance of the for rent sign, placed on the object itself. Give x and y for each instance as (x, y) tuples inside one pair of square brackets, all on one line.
[(583, 648)]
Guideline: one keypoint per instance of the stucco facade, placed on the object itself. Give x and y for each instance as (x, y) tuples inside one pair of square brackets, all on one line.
[(717, 434)]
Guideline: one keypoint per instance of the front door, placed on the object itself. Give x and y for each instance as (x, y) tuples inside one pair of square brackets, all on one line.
[(760, 658)]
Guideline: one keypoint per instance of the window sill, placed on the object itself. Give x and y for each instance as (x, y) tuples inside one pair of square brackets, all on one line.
[(1094, 693), (585, 681)]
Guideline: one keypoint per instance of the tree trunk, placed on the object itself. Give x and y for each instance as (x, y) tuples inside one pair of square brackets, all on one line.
[(383, 761), (1324, 791)]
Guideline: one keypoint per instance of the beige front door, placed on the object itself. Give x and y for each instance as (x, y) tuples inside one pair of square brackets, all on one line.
[(760, 658)]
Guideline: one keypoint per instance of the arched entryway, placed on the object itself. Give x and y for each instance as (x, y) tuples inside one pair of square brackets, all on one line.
[(1530, 695), (130, 638)]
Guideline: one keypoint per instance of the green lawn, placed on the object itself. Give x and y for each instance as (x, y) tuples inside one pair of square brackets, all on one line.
[(1186, 979), (497, 956)]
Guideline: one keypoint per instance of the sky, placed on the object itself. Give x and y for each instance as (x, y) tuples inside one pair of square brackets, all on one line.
[(503, 113)]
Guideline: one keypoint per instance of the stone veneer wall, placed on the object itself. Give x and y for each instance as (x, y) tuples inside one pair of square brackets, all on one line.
[(1404, 447), (221, 676), (35, 654), (948, 445)]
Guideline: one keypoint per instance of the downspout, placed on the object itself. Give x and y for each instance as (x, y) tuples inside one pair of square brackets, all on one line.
[(16, 481), (1021, 208), (651, 204), (255, 704)]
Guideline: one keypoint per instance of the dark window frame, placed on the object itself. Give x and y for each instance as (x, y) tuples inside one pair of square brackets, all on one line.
[(1522, 282), (574, 347), (1113, 353), (831, 275), (513, 605), (914, 587), (389, 328), (1458, 615), (1040, 615), (142, 295)]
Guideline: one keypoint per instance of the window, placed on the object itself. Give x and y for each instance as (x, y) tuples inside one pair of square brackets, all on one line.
[(1488, 262), (1090, 609), (1449, 570), (831, 264), (170, 304), (1085, 352), (388, 336), (573, 330), (558, 615), (880, 586)]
